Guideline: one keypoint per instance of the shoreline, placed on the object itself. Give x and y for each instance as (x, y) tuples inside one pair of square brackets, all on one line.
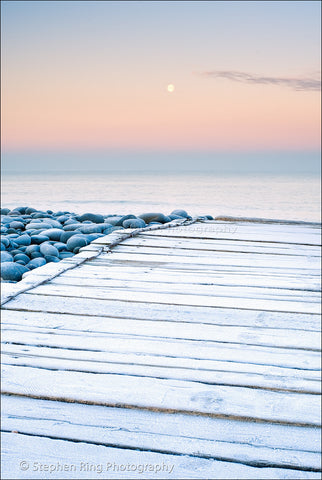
[(31, 238)]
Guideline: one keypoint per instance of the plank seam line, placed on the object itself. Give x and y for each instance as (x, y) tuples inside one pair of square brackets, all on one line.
[(79, 260), (169, 452), (158, 377), (162, 410)]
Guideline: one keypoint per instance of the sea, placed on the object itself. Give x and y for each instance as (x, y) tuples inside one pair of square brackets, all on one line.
[(283, 197)]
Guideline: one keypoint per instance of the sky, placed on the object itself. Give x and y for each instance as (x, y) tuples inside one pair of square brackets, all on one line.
[(85, 84)]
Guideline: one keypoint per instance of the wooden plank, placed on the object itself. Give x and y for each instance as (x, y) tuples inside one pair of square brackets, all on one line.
[(265, 373), (245, 442), (201, 376), (263, 224), (286, 337), (191, 289), (144, 239), (105, 262), (308, 265), (177, 299), (122, 462), (228, 278), (274, 221), (246, 232), (216, 257), (288, 358), (164, 395), (159, 311)]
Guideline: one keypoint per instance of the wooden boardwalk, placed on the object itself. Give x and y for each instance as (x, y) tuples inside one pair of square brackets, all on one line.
[(183, 352)]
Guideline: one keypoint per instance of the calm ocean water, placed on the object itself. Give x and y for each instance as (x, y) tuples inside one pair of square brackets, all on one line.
[(280, 197)]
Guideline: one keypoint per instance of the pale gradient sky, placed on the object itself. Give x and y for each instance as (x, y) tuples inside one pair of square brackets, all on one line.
[(92, 76)]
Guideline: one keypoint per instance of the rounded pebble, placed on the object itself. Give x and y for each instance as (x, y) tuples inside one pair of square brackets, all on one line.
[(63, 255), (66, 235), (38, 226), (153, 217), (36, 262), (48, 250), (30, 210), (71, 221), (62, 218), (22, 257), (51, 258), (71, 227), (31, 249), (4, 211), (181, 213), (23, 240), (12, 271), (134, 223), (6, 257), (53, 233), (94, 236), (35, 255), (110, 229), (92, 228), (5, 241), (76, 242), (20, 262), (119, 223), (38, 239), (60, 246), (113, 220), (16, 224), (15, 251), (92, 217)]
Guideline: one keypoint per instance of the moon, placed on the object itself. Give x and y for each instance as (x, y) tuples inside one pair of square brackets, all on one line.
[(170, 88)]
